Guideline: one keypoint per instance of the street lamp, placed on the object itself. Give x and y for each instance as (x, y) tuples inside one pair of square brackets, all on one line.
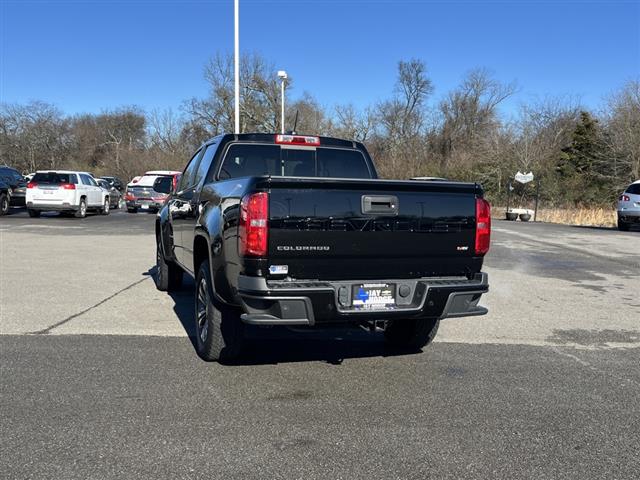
[(282, 75), (236, 63)]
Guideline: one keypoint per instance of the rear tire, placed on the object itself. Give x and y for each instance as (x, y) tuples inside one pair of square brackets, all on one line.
[(33, 213), (4, 204), (105, 208), (132, 210), (411, 334), (169, 275), (82, 209), (623, 226), (219, 330)]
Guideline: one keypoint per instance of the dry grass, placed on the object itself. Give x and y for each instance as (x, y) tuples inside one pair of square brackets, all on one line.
[(593, 217)]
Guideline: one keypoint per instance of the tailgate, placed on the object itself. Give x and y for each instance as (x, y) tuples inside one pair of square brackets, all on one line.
[(142, 192), (48, 194), (349, 229)]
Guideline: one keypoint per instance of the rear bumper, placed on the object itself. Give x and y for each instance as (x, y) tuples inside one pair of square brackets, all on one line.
[(629, 215), (140, 204), (17, 199), (315, 302), (57, 207)]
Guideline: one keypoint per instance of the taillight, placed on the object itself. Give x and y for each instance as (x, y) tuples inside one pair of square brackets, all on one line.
[(129, 196), (625, 198), (32, 185), (67, 186), (483, 226), (298, 140), (253, 229)]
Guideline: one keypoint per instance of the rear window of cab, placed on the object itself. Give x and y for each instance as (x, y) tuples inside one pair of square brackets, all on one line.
[(253, 160)]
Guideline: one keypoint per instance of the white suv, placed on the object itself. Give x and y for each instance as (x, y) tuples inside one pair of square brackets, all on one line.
[(65, 191), (629, 207)]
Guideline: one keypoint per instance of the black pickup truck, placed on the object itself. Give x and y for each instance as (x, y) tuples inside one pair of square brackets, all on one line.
[(297, 230)]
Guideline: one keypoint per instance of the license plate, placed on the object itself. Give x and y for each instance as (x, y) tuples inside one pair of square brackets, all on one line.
[(374, 295), (144, 206), (48, 192)]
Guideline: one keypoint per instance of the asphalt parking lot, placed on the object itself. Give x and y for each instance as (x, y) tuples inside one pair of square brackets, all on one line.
[(100, 379)]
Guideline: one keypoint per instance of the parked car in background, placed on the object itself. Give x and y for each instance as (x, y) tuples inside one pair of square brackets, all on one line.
[(5, 195), (629, 207), (17, 185), (140, 193), (67, 192), (112, 191), (115, 182)]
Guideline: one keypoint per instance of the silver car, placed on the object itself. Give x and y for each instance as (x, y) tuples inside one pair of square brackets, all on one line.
[(113, 192), (629, 207)]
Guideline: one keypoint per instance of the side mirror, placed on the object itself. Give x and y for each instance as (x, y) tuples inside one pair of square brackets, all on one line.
[(161, 186)]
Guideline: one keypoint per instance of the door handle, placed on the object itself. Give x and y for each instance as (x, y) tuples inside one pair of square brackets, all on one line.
[(380, 204)]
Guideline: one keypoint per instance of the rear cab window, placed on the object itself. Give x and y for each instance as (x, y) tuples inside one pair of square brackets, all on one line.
[(163, 183), (252, 160)]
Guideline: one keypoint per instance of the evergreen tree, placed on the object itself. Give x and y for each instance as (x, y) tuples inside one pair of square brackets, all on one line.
[(583, 165)]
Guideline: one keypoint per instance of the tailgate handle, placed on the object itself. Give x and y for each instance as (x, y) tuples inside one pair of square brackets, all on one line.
[(380, 204)]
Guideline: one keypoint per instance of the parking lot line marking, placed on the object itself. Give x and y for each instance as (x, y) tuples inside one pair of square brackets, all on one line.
[(48, 329)]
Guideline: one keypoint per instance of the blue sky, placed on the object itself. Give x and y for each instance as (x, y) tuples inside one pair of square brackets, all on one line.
[(87, 56)]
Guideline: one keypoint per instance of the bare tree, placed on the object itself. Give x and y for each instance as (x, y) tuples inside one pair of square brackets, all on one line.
[(308, 116), (469, 114), (401, 120), (622, 119), (542, 130), (165, 131), (351, 123), (259, 96), (124, 131), (35, 135)]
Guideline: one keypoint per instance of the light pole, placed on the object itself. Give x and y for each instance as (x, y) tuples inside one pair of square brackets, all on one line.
[(282, 75), (236, 66)]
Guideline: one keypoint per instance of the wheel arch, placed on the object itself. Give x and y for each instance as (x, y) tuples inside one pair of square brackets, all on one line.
[(161, 227), (201, 253)]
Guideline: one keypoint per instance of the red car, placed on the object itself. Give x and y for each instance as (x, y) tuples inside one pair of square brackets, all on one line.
[(140, 192)]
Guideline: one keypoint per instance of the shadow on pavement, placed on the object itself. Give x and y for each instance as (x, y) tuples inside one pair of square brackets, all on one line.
[(273, 345)]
